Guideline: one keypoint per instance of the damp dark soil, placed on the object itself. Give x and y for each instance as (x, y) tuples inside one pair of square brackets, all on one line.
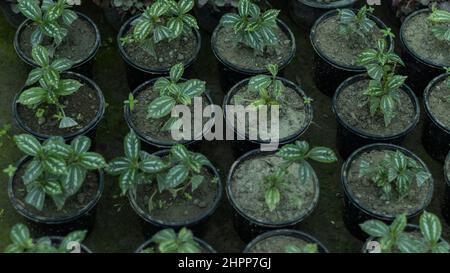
[(181, 208), (277, 244), (149, 127), (83, 106), (343, 49), (169, 53), (293, 115), (77, 46), (248, 191), (244, 57), (73, 205), (419, 38), (439, 102), (353, 108), (369, 196)]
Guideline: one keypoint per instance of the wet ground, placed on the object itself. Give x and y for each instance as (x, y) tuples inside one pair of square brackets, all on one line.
[(117, 228)]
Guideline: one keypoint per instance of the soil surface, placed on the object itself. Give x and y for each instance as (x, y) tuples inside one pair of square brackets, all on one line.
[(353, 109), (149, 127), (169, 53), (82, 106), (419, 38), (73, 205), (369, 195), (244, 57), (293, 115), (277, 244), (439, 102), (343, 49), (248, 190), (77, 46)]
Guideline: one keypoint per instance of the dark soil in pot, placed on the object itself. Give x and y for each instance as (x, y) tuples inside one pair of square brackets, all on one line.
[(356, 127), (180, 211), (205, 247), (246, 193), (276, 242), (425, 56), (363, 197), (436, 132), (446, 203), (86, 106), (78, 212), (335, 57)]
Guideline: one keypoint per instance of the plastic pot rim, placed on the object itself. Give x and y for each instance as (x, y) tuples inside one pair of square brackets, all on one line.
[(426, 96)]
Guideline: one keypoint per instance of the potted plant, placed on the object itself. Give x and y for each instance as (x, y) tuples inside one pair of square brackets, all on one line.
[(22, 242), (386, 109), (57, 186), (247, 41), (436, 131), (169, 189), (169, 241), (338, 37), (68, 34), (270, 190), (400, 237), (382, 181), (425, 46), (285, 241), (446, 203), (149, 113), (163, 35), (403, 8), (54, 102), (295, 114), (306, 12)]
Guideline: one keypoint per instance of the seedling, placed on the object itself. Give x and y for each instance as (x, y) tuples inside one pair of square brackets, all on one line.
[(131, 102), (393, 238), (351, 23), (440, 20), (308, 248), (22, 242), (162, 20), (10, 170), (56, 170), (269, 88), (396, 173), (51, 87), (253, 29), (168, 241)]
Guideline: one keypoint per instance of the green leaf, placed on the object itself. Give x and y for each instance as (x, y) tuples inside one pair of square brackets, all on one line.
[(34, 76), (375, 71), (408, 244), (230, 19), (201, 159), (158, 8), (196, 181), (73, 180), (193, 88), (161, 107), (28, 144), (190, 21), (273, 69), (37, 37), (259, 82), (396, 82), (176, 26), (244, 7), (69, 16), (127, 180), (81, 144), (346, 16), (272, 197), (40, 55), (161, 85), (270, 16), (51, 77), (322, 154), (118, 165), (176, 176), (54, 165), (52, 187), (92, 161), (33, 171), (422, 177), (403, 185), (399, 224), (430, 227), (164, 235), (152, 164), (189, 247), (367, 57), (75, 236), (375, 228), (179, 152), (67, 122), (184, 6), (36, 198), (62, 64), (142, 29), (176, 72), (400, 161), (291, 152), (132, 146), (56, 147), (30, 9), (160, 33), (20, 235), (305, 172), (33, 96), (53, 13)]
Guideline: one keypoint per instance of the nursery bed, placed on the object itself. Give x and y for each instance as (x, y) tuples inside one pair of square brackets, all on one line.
[(117, 228)]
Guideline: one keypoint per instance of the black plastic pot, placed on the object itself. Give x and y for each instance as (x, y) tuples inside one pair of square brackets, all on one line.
[(247, 227), (286, 232), (230, 74), (356, 213), (435, 136), (198, 225), (14, 19), (153, 145), (81, 220), (349, 138), (202, 244), (306, 12), (136, 73), (89, 130), (327, 73), (419, 70), (57, 240), (242, 144), (446, 203), (83, 66)]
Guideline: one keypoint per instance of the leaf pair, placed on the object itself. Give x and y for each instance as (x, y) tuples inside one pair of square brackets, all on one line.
[(356, 23), (269, 88), (168, 241)]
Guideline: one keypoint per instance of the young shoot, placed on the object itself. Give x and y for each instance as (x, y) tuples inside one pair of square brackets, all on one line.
[(168, 241), (440, 21), (359, 23), (269, 88)]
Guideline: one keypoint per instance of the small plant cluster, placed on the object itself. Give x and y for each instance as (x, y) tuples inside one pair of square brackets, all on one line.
[(56, 169), (383, 88), (356, 23), (172, 91), (180, 173), (253, 28), (269, 88), (297, 153), (51, 86), (308, 248), (440, 20), (52, 18), (162, 20), (394, 238), (22, 242), (168, 241), (396, 173)]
